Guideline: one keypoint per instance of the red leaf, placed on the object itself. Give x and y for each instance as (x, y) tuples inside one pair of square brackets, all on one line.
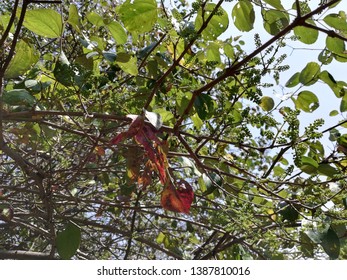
[(150, 132), (119, 138), (145, 135), (157, 157), (135, 126), (177, 199), (161, 164)]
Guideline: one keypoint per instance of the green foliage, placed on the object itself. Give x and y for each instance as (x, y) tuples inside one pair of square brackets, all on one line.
[(68, 241), (19, 97), (44, 22), (150, 130), (307, 101), (336, 21), (243, 15), (267, 103), (138, 16), (308, 75), (218, 23), (23, 60), (118, 32), (274, 20), (305, 34)]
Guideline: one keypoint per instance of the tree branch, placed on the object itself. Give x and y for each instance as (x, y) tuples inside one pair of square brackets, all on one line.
[(24, 255), (9, 25)]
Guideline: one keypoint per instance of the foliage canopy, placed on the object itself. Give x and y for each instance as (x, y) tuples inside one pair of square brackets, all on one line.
[(144, 130)]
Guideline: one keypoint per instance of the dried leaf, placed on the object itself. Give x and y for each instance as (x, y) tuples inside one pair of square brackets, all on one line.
[(177, 199), (145, 135), (133, 154), (161, 164), (100, 151), (146, 177), (157, 157)]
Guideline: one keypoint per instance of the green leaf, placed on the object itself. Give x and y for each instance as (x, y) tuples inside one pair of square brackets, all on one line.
[(68, 241), (342, 140), (333, 113), (95, 19), (305, 34), (22, 61), (212, 52), (336, 87), (275, 3), (325, 57), (307, 101), (315, 235), (73, 19), (336, 21), (63, 72), (267, 103), (308, 165), (229, 51), (278, 171), (204, 106), (4, 21), (306, 246), (336, 45), (344, 202), (44, 22), (327, 78), (274, 21), (293, 81), (243, 15), (110, 56), (138, 15), (18, 97), (303, 6), (166, 116), (327, 170), (309, 74), (198, 123), (343, 104), (334, 134), (287, 211), (210, 182), (341, 57), (127, 63), (182, 101), (216, 26), (189, 165), (160, 238), (335, 4), (331, 244), (117, 31)]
